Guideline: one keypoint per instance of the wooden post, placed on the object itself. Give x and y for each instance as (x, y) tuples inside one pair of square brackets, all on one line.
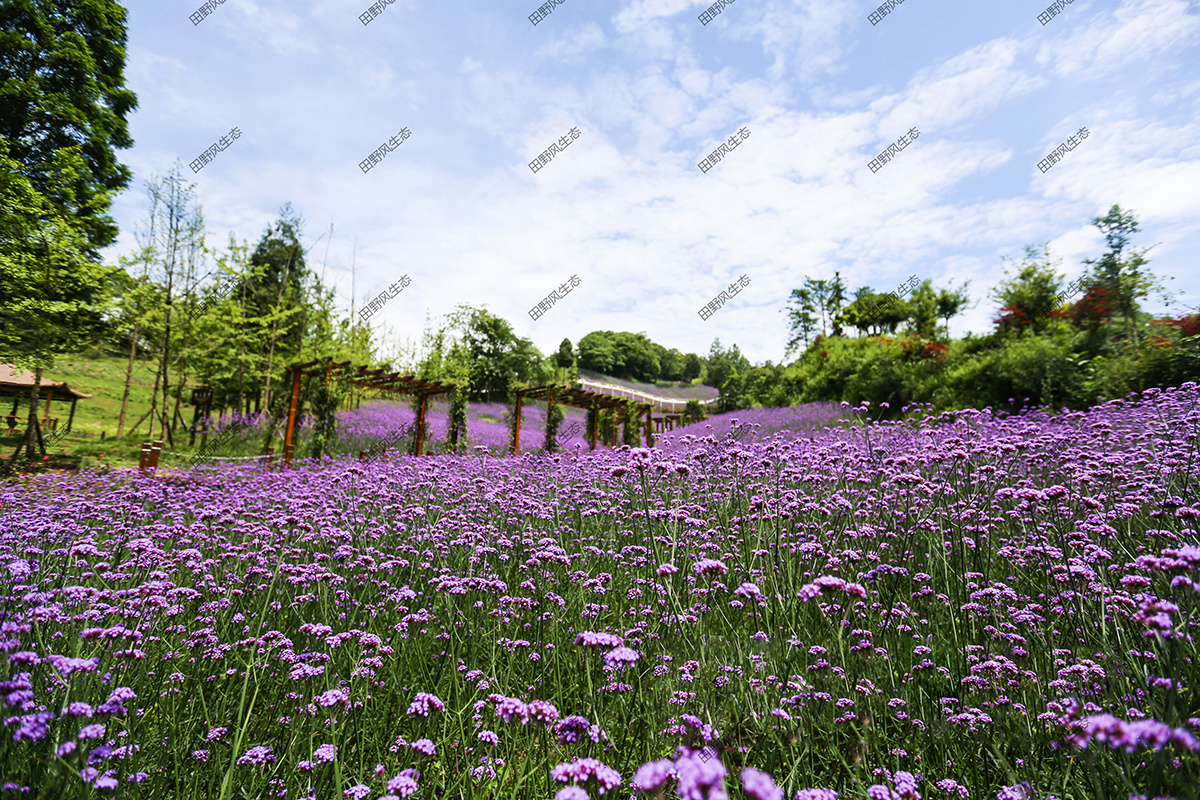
[(546, 444), (71, 419), (270, 457), (517, 430), (288, 448), (595, 415), (155, 450), (419, 444), (649, 425), (144, 458)]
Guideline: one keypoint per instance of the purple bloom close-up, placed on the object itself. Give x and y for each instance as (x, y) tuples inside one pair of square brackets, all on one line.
[(651, 776), (259, 754), (760, 785)]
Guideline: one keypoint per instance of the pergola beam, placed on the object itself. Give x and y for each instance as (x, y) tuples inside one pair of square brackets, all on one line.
[(408, 384), (581, 398)]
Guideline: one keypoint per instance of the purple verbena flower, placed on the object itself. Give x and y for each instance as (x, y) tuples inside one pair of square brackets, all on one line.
[(759, 785), (710, 566), (598, 639), (257, 755), (423, 702), (91, 732), (651, 776), (816, 794)]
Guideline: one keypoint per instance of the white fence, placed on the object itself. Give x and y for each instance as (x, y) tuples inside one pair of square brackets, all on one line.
[(665, 403)]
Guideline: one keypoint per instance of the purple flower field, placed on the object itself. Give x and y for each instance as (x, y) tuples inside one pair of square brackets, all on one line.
[(961, 606), (363, 428)]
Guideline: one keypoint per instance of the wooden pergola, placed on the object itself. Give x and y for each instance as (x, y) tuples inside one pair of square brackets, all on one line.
[(668, 422), (366, 378), (579, 398), (18, 384)]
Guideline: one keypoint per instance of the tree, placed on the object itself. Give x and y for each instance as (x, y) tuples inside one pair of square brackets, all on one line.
[(52, 297), (63, 113), (1123, 279), (802, 321), (692, 367), (671, 362), (598, 353), (566, 356), (834, 301), (65, 103), (629, 356), (726, 371), (950, 302), (875, 313), (1028, 298), (856, 313), (176, 231), (273, 295), (639, 361), (459, 372), (498, 357), (923, 311)]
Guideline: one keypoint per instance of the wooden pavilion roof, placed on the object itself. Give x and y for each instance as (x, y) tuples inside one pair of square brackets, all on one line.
[(17, 383)]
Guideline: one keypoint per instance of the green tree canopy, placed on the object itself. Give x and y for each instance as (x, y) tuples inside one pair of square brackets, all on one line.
[(498, 357), (52, 297), (923, 311), (1123, 278), (629, 356), (63, 105), (1027, 298), (566, 356), (598, 353)]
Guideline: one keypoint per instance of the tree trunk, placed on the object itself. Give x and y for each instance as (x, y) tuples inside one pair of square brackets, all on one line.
[(182, 383), (128, 381), (153, 402), (33, 430), (139, 422)]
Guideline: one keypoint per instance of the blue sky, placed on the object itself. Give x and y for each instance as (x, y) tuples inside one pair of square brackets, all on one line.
[(653, 91)]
